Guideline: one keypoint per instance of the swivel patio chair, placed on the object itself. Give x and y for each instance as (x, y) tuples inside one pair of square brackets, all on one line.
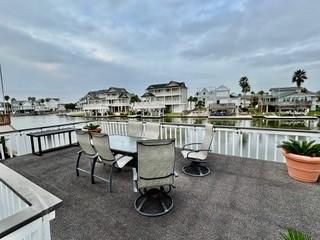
[(198, 156), (102, 145), (155, 173), (151, 131), (87, 149), (135, 129)]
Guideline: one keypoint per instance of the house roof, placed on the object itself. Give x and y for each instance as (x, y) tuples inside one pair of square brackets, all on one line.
[(148, 94), (281, 89), (167, 85), (116, 90)]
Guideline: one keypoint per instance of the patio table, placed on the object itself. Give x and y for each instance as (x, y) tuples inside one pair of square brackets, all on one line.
[(124, 144)]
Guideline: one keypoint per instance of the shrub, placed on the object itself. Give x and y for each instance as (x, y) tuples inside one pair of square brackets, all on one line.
[(305, 148)]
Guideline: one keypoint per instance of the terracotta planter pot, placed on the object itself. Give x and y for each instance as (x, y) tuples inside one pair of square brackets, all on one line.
[(97, 130), (302, 168)]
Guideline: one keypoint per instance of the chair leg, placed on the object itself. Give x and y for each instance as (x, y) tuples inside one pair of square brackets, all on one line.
[(110, 178), (196, 170), (77, 165), (92, 169)]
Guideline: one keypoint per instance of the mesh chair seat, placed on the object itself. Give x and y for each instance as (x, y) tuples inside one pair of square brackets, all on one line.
[(101, 143), (194, 155), (122, 160), (155, 171), (197, 158)]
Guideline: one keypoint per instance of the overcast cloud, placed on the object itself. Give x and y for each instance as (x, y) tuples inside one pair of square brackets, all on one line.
[(62, 48)]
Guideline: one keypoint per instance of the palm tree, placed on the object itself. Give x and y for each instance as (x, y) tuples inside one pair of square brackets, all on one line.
[(192, 99), (5, 104), (298, 77), (245, 87)]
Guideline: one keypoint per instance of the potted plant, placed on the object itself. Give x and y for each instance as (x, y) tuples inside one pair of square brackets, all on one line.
[(302, 159), (293, 234), (93, 128)]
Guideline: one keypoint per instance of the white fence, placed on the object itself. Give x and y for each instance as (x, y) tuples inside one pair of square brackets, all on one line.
[(258, 143), (17, 143), (10, 202)]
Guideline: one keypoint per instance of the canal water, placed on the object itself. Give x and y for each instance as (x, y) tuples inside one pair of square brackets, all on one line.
[(47, 120)]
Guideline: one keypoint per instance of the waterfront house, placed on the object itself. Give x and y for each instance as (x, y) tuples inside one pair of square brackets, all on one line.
[(289, 99), (165, 97), (112, 100), (219, 99), (218, 95), (22, 106)]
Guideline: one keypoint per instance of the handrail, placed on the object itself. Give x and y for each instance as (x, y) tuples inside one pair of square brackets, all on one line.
[(232, 127), (39, 200), (45, 127)]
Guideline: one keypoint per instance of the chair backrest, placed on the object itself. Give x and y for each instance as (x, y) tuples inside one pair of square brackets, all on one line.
[(102, 145), (84, 141), (151, 131), (155, 163), (134, 129), (208, 137)]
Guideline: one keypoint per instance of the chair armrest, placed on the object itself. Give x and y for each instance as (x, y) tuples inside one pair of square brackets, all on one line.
[(175, 174), (81, 151), (190, 144)]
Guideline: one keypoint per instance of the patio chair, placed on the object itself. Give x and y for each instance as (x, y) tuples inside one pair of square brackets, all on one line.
[(135, 129), (102, 145), (151, 131), (87, 149), (198, 156), (155, 173)]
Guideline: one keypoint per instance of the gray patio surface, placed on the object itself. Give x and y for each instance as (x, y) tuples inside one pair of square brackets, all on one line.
[(240, 199)]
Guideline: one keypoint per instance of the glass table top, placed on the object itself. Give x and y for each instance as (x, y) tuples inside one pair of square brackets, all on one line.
[(123, 143)]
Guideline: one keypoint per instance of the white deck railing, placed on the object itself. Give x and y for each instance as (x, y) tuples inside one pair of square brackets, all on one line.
[(18, 143), (257, 143), (25, 209)]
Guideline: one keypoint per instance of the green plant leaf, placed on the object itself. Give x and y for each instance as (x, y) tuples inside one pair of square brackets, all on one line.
[(293, 234)]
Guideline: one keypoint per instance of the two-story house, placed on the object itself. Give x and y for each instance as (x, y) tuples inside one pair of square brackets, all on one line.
[(218, 99), (113, 100), (169, 97), (289, 99), (219, 95)]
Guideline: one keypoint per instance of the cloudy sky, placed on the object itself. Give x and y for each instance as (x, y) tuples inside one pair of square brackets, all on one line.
[(62, 48)]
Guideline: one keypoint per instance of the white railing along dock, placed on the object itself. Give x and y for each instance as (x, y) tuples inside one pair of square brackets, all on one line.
[(250, 142), (17, 143)]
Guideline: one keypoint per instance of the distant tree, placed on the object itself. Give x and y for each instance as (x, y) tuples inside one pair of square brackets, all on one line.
[(200, 105), (318, 95), (6, 98), (298, 78), (70, 106), (304, 90), (134, 99), (245, 87), (31, 99), (13, 99), (192, 99), (42, 100), (47, 99), (261, 92)]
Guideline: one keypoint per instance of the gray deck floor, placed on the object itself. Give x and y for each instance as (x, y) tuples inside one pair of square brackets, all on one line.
[(241, 199)]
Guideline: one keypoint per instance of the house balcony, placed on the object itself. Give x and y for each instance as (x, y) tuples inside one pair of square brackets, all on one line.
[(290, 104), (104, 106), (245, 197)]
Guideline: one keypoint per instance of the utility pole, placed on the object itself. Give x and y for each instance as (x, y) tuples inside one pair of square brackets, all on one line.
[(4, 105)]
